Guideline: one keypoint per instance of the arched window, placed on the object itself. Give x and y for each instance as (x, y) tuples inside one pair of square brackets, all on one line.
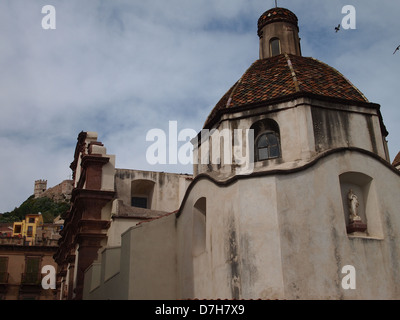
[(267, 146), (267, 140), (275, 45)]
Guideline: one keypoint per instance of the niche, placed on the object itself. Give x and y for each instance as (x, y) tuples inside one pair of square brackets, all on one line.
[(361, 212), (199, 227)]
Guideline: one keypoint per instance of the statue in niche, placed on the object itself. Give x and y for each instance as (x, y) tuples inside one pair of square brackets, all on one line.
[(353, 206)]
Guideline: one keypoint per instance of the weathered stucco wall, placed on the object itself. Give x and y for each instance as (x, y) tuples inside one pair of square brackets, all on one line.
[(280, 236), (152, 260), (315, 244), (284, 236), (307, 127), (288, 35), (168, 189), (102, 279), (117, 228), (335, 128), (236, 228), (142, 268)]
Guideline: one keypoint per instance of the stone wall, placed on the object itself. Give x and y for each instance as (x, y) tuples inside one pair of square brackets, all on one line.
[(60, 192)]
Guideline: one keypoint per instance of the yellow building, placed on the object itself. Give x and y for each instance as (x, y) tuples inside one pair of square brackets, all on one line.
[(28, 228)]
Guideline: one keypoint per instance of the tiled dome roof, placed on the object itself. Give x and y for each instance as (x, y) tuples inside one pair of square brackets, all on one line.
[(283, 77), (276, 15)]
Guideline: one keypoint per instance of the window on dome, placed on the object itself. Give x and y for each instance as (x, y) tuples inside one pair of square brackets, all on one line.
[(267, 146), (275, 44), (267, 140)]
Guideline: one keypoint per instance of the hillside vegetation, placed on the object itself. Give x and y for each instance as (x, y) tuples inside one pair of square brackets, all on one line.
[(46, 206)]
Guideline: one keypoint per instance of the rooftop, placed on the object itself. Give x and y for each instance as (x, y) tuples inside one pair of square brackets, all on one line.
[(276, 15), (284, 76)]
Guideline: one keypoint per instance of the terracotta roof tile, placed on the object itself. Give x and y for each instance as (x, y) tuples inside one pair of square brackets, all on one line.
[(6, 227), (284, 75), (396, 161)]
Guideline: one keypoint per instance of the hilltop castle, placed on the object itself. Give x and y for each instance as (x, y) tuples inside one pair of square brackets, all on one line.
[(60, 192)]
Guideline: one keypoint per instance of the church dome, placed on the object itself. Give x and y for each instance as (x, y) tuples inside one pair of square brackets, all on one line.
[(285, 77), (276, 15)]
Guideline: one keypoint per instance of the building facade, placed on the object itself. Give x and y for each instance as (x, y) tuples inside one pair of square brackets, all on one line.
[(28, 228), (22, 258), (105, 202), (300, 189)]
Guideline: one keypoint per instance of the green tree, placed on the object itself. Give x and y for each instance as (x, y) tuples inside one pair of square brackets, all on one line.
[(46, 206)]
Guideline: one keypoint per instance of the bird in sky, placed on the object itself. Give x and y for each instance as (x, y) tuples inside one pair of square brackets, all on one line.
[(337, 28), (397, 49)]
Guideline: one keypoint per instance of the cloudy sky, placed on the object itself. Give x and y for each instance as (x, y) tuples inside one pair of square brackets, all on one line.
[(124, 67)]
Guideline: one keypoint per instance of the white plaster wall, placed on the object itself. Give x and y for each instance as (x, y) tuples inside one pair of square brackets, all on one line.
[(296, 137), (168, 188), (242, 258), (307, 127), (205, 276), (291, 236), (152, 260), (270, 237), (259, 241), (108, 173), (102, 279), (111, 262), (315, 244), (117, 228), (348, 126)]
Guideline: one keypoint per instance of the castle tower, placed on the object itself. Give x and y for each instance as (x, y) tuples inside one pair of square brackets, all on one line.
[(40, 187)]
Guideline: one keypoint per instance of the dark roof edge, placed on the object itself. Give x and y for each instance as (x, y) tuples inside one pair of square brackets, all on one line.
[(308, 165), (293, 96)]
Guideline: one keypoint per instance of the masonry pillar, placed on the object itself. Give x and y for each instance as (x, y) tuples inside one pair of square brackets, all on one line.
[(92, 231), (85, 227)]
